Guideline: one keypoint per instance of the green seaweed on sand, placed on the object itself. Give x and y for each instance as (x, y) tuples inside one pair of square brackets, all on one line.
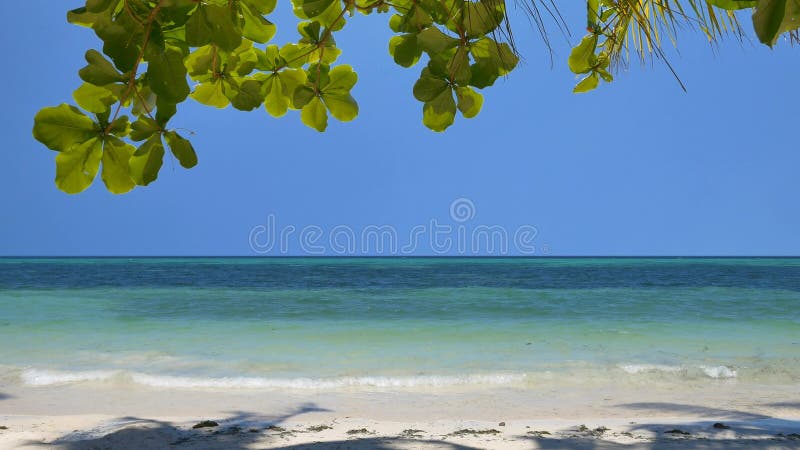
[(471, 432), (412, 432), (539, 433)]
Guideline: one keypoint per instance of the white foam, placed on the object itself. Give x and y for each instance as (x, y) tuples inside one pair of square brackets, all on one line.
[(644, 368), (718, 371), (35, 377), (324, 383)]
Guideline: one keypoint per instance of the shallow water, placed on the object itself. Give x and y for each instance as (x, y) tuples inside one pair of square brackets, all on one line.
[(398, 323)]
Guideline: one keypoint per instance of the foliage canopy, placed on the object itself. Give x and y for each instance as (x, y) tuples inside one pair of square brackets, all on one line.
[(151, 49)]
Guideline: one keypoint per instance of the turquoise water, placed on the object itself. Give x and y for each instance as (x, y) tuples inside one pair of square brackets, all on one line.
[(332, 323)]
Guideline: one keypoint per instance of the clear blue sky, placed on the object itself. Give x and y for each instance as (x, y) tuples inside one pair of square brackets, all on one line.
[(638, 167)]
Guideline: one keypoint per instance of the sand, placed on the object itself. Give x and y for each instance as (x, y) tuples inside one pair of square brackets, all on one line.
[(114, 416)]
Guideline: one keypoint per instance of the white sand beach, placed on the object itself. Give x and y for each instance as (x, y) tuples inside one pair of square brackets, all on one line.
[(725, 415)]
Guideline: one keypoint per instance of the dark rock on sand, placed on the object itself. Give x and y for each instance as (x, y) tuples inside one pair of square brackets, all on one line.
[(206, 424), (501, 424), (678, 431), (721, 426)]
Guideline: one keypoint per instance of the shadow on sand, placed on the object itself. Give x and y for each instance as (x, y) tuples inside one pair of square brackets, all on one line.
[(239, 431), (740, 430), (244, 430), (5, 396)]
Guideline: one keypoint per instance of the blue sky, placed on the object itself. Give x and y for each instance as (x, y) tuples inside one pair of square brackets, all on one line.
[(636, 168)]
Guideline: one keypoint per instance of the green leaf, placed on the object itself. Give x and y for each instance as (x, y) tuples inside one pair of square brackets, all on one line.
[(213, 24), (311, 8), (440, 112), (483, 74), (270, 59), (256, 27), (82, 17), (775, 17), (182, 149), (469, 101), (144, 100), (324, 12), (404, 49), (119, 43), (97, 6), (262, 7), (342, 106), (116, 165), (120, 127), (96, 99), (211, 94), (165, 110), (458, 68), (593, 15), (63, 126), (302, 96), (143, 128), (580, 59), (166, 74), (147, 160), (433, 41), (414, 20), (314, 114), (587, 84), (278, 90), (199, 63), (341, 80), (732, 5), (605, 75), (428, 87), (245, 95), (100, 71), (482, 17), (76, 168), (494, 56)]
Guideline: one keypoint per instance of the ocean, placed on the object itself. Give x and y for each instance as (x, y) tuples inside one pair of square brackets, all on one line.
[(398, 323)]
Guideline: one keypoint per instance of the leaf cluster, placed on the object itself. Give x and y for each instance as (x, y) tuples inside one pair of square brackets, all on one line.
[(618, 27), (156, 54)]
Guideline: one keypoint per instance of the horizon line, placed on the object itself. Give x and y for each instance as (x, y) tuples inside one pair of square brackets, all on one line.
[(398, 256)]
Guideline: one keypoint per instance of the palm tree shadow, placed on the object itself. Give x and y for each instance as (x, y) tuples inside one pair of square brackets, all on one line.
[(734, 429), (378, 443), (239, 431), (744, 424)]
